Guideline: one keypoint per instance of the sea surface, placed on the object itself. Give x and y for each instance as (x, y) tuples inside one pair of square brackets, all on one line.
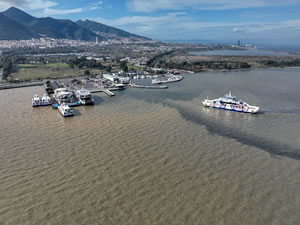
[(248, 52), (156, 157)]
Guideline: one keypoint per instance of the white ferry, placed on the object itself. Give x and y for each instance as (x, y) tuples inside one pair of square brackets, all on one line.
[(229, 102), (84, 97), (65, 110), (43, 101)]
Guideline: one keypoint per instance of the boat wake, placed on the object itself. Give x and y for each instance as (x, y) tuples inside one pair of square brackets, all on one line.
[(270, 146), (280, 111)]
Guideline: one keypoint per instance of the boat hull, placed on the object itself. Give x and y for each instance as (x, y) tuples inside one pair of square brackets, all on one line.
[(38, 105), (66, 114), (252, 110), (70, 115), (65, 111)]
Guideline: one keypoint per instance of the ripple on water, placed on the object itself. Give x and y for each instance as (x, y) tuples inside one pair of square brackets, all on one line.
[(135, 161)]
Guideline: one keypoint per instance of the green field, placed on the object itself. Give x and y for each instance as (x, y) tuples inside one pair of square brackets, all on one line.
[(27, 66), (47, 71), (136, 67), (52, 65), (57, 65)]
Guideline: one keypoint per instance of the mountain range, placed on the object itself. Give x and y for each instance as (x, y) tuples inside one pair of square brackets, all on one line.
[(16, 24)]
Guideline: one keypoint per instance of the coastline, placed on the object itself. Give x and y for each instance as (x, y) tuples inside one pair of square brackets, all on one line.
[(183, 61)]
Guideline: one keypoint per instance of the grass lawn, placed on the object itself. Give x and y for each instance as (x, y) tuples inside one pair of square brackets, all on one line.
[(136, 67), (48, 71), (27, 66), (56, 65)]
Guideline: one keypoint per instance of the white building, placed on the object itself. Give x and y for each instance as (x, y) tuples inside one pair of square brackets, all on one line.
[(112, 78)]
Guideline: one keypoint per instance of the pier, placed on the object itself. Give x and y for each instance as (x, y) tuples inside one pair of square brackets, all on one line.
[(4, 86), (108, 92), (70, 91), (149, 87)]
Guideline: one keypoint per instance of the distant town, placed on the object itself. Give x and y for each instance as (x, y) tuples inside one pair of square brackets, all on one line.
[(50, 58), (43, 43)]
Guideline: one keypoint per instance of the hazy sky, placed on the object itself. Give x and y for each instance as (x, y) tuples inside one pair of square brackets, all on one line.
[(270, 21)]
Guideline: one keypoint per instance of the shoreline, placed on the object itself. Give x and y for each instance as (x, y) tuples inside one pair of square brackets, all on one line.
[(240, 70), (11, 85)]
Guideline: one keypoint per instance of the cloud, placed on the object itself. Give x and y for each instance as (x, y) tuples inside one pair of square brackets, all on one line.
[(45, 7), (141, 20), (52, 12), (95, 5), (292, 25), (155, 5), (27, 4), (143, 24), (179, 25), (56, 12)]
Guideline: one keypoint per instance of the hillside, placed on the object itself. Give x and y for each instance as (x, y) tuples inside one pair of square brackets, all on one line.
[(111, 32), (16, 24), (10, 30), (50, 27)]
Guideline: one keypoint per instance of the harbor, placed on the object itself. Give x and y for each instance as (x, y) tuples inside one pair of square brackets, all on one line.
[(66, 93), (143, 148)]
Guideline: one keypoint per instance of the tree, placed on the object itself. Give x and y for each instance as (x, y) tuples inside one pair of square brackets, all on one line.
[(7, 66), (123, 66), (81, 65), (99, 65), (108, 69), (126, 69)]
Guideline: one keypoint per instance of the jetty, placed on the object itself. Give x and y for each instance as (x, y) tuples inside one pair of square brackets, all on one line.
[(149, 87), (170, 79), (4, 86), (108, 92)]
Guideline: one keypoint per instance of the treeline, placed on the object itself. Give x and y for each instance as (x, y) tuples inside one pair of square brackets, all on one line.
[(202, 66), (83, 62), (153, 61), (282, 63), (9, 62), (7, 66), (35, 51)]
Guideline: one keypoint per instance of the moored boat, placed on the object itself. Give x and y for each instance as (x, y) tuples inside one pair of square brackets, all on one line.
[(84, 97), (65, 110), (43, 101), (231, 103), (64, 96)]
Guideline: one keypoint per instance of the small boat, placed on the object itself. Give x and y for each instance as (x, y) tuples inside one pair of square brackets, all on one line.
[(84, 97), (43, 101), (231, 103), (65, 110)]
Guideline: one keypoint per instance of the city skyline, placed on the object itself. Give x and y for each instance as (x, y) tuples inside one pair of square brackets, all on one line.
[(258, 21)]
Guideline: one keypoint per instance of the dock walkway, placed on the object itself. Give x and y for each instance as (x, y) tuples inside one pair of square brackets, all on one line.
[(4, 86), (149, 87)]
